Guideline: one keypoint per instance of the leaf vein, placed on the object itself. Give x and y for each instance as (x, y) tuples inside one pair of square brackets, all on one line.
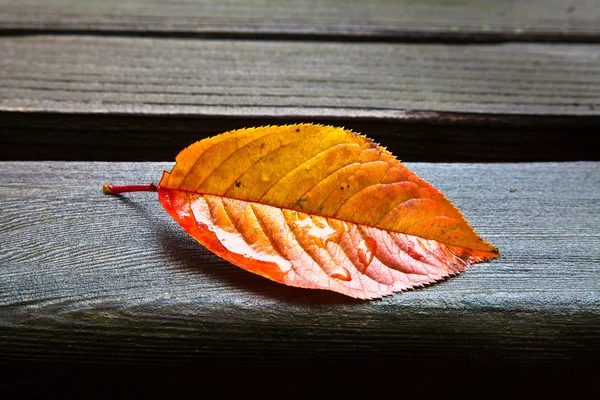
[(257, 161), (270, 239), (225, 160), (317, 215), (304, 162), (302, 247)]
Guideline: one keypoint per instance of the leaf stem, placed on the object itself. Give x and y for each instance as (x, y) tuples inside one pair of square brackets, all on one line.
[(116, 189)]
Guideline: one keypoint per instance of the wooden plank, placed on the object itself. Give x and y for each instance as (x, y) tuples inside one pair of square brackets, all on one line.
[(90, 277), (299, 79), (359, 19), (90, 98)]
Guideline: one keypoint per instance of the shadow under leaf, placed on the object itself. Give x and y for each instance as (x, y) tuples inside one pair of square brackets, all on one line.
[(191, 256)]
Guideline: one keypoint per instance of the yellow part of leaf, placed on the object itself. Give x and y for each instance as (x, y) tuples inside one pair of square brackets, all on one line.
[(321, 171)]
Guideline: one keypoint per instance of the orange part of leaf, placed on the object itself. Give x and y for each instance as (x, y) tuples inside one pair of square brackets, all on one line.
[(318, 207)]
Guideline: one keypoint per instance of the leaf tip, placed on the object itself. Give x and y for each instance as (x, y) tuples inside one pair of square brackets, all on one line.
[(495, 251)]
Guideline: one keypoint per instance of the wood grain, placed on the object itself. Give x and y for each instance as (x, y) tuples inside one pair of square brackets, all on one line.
[(359, 19), (100, 292), (300, 79), (86, 276)]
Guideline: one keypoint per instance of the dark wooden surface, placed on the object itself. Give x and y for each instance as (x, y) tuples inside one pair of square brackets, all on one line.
[(64, 97), (89, 277), (101, 290), (85, 276)]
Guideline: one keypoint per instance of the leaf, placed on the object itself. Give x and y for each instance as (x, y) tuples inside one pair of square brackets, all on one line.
[(318, 207)]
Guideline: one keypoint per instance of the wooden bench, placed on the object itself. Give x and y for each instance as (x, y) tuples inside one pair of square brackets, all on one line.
[(495, 103)]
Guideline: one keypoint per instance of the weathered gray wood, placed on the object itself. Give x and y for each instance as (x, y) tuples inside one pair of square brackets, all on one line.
[(85, 276), (388, 20), (301, 79)]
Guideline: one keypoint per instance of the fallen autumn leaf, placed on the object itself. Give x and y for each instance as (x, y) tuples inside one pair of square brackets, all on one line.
[(316, 207)]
